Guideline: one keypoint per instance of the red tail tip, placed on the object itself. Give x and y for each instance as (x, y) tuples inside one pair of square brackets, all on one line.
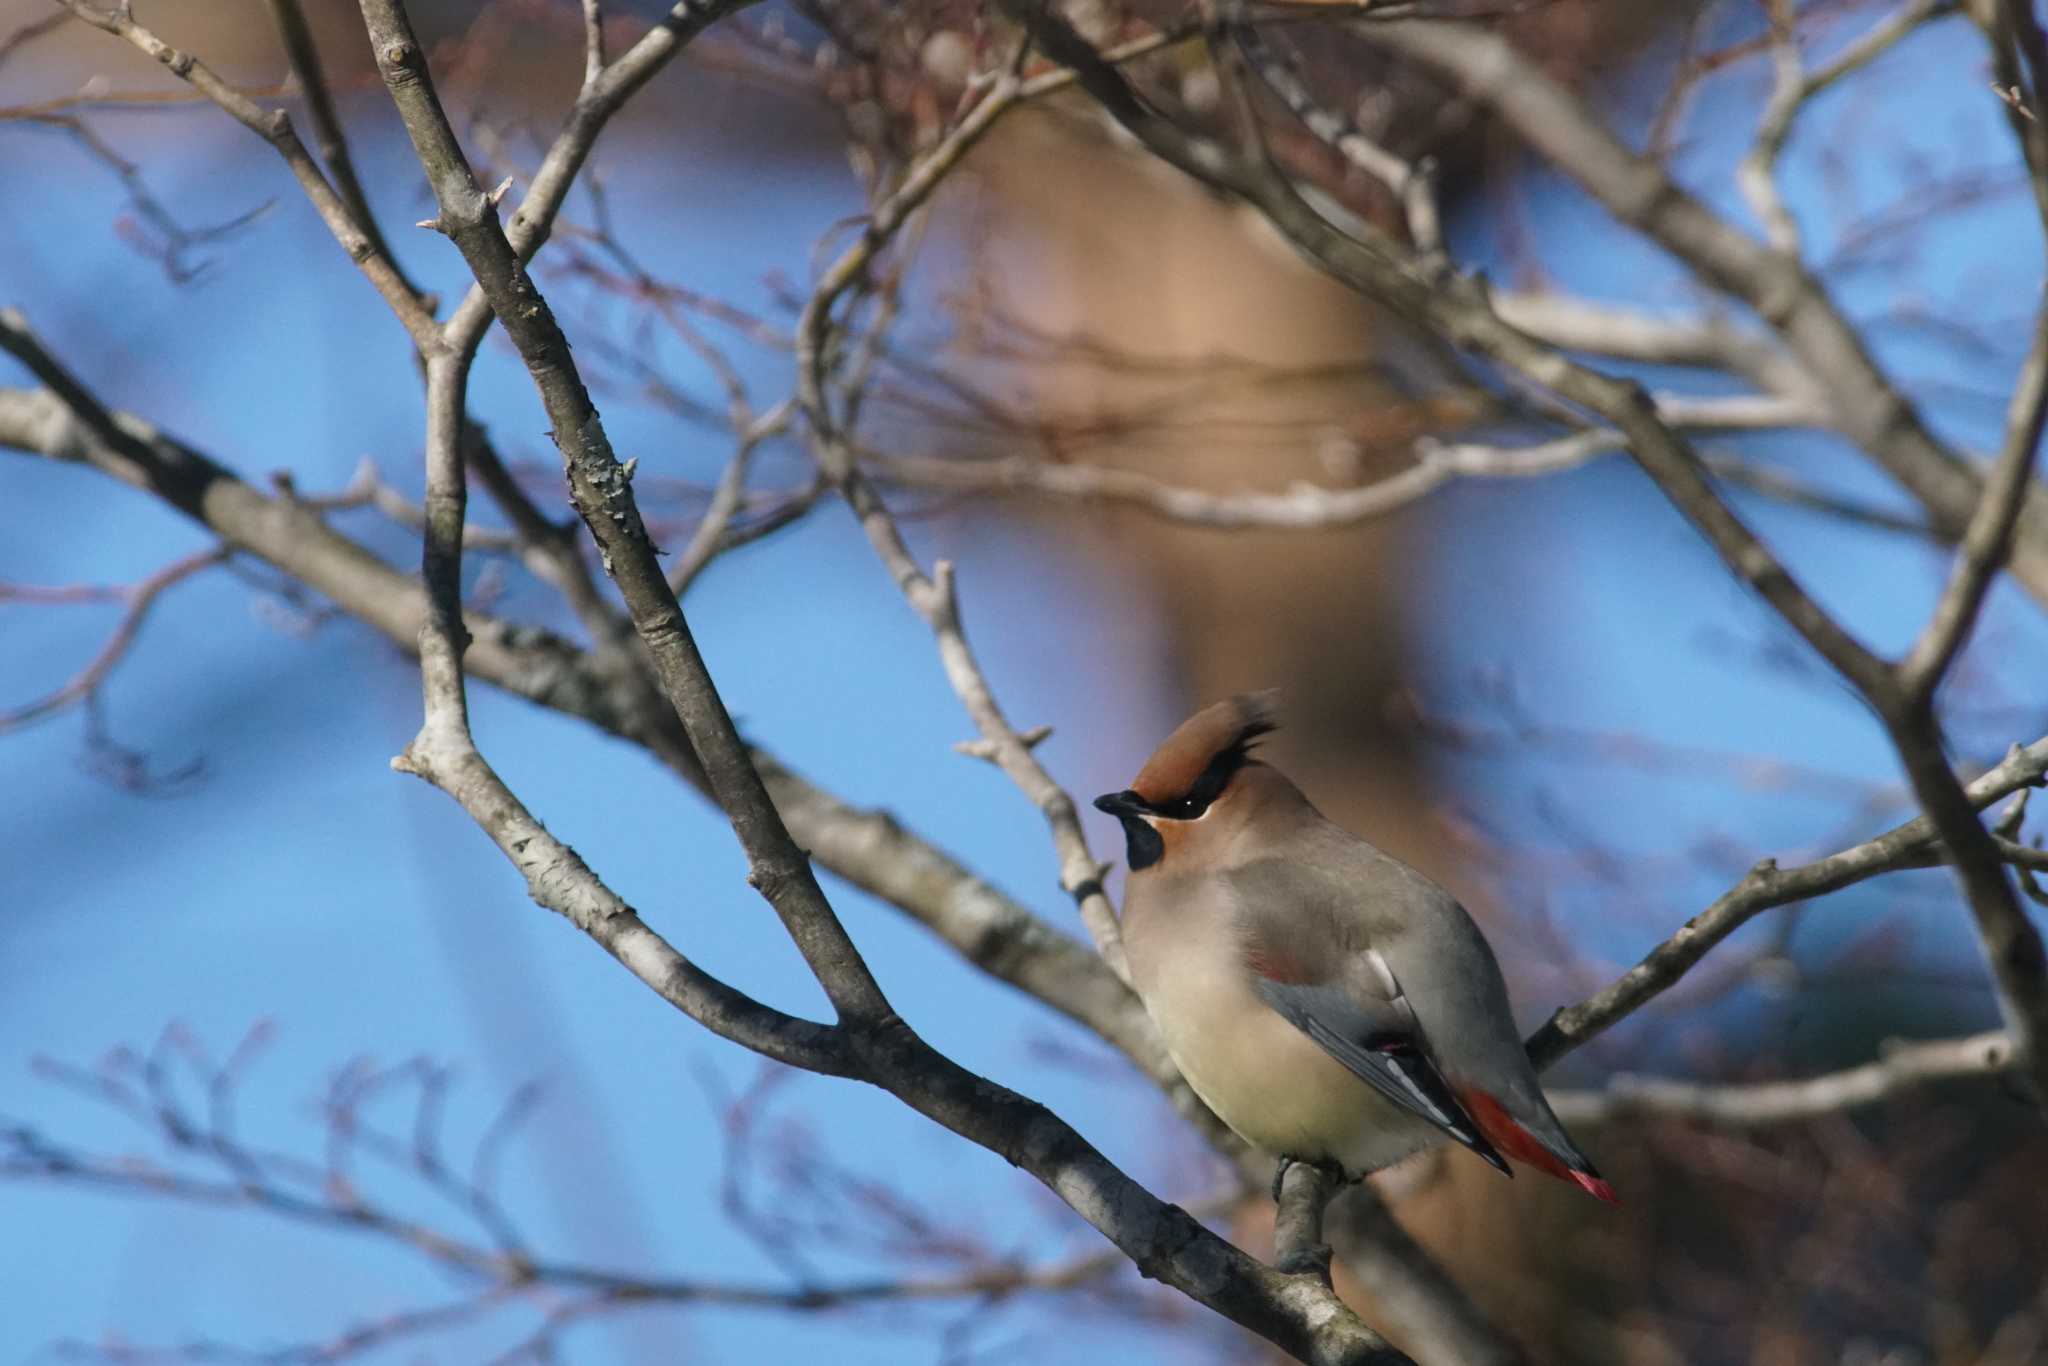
[(1596, 1188), (1512, 1137)]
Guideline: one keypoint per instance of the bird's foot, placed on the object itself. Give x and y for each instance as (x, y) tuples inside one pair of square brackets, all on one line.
[(1335, 1171)]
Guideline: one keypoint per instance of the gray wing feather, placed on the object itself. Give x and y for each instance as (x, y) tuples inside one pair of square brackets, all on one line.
[(1382, 1047), (1334, 901), (1329, 902)]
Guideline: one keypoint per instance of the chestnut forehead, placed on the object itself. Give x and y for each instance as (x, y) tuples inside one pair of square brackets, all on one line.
[(1181, 759)]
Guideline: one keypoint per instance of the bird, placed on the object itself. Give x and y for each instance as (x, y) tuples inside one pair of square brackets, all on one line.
[(1332, 1005)]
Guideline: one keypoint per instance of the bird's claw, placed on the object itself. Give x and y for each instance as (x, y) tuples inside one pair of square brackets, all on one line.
[(1338, 1176)]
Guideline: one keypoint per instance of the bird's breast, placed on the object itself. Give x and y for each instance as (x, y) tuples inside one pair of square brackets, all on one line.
[(1272, 1084)]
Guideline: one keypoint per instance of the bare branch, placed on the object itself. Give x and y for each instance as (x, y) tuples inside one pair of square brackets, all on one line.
[(1311, 506), (137, 600), (869, 848), (602, 491), (2012, 944), (712, 530), (28, 33), (933, 596), (165, 237), (328, 135), (1756, 177), (205, 1148), (1800, 494), (1988, 537), (1412, 184), (368, 488), (1303, 1318), (1899, 1066), (1421, 1301), (2019, 63), (1793, 92), (1764, 887), (1705, 342), (1868, 407), (1301, 1192), (274, 126), (1458, 309), (606, 89), (593, 41)]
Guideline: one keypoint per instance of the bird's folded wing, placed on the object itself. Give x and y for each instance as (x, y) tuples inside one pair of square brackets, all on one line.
[(1307, 932), (1380, 1041)]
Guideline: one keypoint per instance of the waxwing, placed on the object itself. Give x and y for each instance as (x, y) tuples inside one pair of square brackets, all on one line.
[(1328, 1002)]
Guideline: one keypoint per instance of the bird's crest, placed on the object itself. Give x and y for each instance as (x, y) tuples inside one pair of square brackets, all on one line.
[(1210, 745)]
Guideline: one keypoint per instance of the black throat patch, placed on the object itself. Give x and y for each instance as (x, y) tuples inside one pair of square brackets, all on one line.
[(1142, 845)]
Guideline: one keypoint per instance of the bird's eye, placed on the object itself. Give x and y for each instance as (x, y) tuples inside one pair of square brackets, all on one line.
[(1185, 809)]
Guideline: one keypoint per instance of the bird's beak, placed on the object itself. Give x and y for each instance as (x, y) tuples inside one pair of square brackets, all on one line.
[(1121, 804)]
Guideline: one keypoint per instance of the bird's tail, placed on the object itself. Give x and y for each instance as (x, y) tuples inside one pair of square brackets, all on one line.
[(1557, 1156)]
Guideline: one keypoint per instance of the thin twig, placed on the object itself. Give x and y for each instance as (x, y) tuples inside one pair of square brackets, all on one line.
[(1764, 887), (303, 53), (1988, 537), (275, 127), (138, 599), (932, 595)]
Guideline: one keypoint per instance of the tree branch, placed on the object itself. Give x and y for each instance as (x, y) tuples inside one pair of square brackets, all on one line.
[(1301, 1192), (137, 600), (605, 91), (303, 54), (1303, 1318), (1767, 886), (1898, 1066), (933, 595), (1421, 1302), (1868, 407), (274, 126), (1311, 507), (1988, 537)]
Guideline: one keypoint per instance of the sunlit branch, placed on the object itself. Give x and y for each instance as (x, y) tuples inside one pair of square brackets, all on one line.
[(1303, 1317)]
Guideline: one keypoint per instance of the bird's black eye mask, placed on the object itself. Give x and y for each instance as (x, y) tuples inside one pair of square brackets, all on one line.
[(1143, 845), (1215, 778), (1206, 788)]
